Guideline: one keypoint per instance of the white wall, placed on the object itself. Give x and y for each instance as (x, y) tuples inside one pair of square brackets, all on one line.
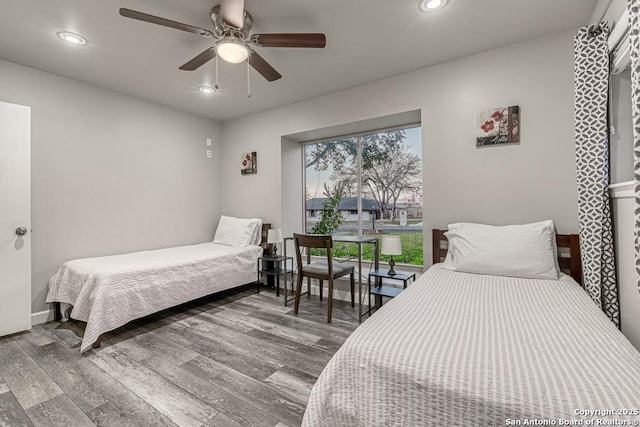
[(292, 193), (510, 184), (622, 197), (110, 173), (614, 10)]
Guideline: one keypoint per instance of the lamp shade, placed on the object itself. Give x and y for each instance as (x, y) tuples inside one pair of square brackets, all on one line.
[(274, 235), (391, 245)]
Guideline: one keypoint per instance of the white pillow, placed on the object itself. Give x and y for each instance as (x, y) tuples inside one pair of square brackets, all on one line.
[(233, 231), (257, 232), (527, 250)]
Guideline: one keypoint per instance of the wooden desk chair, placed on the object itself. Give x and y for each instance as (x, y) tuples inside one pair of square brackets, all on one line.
[(321, 270)]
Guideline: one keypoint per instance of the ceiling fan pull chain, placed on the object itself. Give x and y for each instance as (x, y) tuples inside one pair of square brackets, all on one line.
[(217, 87), (248, 80)]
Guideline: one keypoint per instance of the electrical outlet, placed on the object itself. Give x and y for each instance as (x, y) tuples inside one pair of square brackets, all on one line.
[(209, 153), (209, 142)]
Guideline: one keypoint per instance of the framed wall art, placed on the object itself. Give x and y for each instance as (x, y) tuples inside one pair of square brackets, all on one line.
[(249, 163), (498, 126)]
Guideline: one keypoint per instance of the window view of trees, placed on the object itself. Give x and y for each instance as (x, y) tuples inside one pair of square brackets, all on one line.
[(391, 187)]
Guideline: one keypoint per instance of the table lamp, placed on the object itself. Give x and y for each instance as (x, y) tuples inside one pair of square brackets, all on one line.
[(391, 246), (274, 236)]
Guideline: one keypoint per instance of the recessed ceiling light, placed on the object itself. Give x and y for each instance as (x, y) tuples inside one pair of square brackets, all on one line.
[(72, 38), (207, 90), (432, 5)]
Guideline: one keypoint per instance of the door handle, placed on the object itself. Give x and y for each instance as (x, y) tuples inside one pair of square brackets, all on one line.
[(21, 231)]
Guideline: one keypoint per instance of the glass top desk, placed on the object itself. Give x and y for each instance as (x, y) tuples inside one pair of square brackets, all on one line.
[(360, 241)]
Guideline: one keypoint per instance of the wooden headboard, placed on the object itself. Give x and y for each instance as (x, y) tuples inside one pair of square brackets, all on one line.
[(265, 230), (569, 261)]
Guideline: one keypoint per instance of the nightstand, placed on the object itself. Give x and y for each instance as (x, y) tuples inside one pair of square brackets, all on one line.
[(276, 267), (381, 290)]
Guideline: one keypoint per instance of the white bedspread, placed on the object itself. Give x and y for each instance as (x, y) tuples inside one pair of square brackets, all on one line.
[(457, 349), (107, 292)]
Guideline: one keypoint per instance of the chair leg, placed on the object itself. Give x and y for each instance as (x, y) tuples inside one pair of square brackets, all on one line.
[(330, 302), (320, 282), (298, 292), (353, 291)]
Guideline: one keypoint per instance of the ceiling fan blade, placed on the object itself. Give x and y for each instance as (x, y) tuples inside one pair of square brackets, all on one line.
[(199, 60), (317, 40), (233, 12), (263, 67), (133, 14)]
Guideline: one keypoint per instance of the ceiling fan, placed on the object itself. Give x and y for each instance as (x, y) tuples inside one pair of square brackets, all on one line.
[(231, 30)]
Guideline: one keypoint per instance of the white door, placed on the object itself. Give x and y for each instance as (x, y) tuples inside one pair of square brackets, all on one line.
[(15, 218)]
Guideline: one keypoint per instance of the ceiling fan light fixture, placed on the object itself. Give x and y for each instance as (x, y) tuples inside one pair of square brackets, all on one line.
[(432, 5), (72, 38), (232, 50)]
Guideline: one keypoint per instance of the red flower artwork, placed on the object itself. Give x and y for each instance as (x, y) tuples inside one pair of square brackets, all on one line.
[(499, 125), (487, 126), (249, 164)]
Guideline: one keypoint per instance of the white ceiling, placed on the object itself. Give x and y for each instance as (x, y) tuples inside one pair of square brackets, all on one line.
[(367, 40)]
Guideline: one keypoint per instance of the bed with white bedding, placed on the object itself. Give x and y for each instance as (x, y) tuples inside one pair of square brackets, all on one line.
[(108, 292), (469, 349), (462, 349)]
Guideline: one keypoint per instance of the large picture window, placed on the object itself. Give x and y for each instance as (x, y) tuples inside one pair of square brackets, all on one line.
[(370, 184)]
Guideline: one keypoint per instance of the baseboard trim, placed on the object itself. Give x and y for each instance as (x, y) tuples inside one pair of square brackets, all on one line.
[(41, 317)]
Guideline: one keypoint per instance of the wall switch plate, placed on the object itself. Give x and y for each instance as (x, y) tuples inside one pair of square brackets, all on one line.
[(209, 142), (209, 153)]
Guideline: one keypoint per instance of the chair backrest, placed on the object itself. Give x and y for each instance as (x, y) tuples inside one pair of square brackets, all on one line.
[(316, 241)]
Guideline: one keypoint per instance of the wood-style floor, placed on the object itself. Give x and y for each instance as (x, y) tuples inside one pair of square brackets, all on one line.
[(237, 358)]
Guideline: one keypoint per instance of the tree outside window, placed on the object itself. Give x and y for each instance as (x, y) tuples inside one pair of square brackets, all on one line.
[(391, 187)]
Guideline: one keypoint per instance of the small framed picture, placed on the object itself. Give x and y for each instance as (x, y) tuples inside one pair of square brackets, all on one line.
[(498, 126), (249, 163)]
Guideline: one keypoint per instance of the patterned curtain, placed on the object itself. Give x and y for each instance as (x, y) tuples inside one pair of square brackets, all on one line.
[(591, 84), (634, 18)]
